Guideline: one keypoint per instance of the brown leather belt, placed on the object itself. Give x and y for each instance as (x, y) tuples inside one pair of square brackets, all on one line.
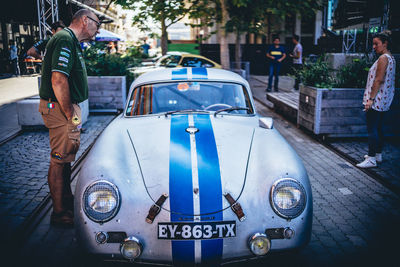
[(156, 208), (235, 206)]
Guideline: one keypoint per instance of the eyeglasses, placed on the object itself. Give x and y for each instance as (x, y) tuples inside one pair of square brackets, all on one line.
[(95, 21)]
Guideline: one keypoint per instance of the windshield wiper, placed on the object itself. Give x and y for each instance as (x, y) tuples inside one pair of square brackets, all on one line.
[(184, 110), (229, 110)]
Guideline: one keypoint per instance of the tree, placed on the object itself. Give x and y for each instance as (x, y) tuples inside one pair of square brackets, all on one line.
[(163, 12)]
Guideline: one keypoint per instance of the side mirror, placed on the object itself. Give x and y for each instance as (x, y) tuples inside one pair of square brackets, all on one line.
[(266, 122)]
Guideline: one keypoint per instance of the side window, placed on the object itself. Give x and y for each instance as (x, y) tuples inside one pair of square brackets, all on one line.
[(206, 64), (191, 62)]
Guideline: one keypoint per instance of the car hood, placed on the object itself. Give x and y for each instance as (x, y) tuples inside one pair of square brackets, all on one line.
[(193, 159)]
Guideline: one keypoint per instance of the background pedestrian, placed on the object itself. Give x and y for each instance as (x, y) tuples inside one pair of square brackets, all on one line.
[(297, 56), (63, 86), (276, 54), (378, 97), (14, 58), (39, 47)]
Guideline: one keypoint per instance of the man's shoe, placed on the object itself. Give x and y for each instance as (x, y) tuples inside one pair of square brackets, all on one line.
[(378, 157), (63, 219), (276, 89), (369, 162), (268, 89)]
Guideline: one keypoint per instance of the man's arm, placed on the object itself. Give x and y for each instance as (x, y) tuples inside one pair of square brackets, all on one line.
[(283, 57), (34, 53), (59, 82)]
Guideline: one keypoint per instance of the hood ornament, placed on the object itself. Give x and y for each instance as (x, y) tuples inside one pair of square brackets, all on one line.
[(192, 130)]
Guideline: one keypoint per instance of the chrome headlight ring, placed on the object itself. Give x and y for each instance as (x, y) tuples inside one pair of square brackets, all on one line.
[(288, 198), (101, 201)]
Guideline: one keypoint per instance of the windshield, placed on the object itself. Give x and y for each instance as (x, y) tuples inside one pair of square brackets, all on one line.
[(169, 61), (175, 96)]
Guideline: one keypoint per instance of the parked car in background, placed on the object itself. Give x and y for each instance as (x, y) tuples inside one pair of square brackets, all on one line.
[(189, 173), (176, 59)]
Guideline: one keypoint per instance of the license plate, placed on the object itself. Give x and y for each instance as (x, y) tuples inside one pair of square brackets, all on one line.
[(196, 230)]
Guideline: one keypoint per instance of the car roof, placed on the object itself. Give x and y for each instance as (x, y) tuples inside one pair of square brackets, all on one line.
[(188, 74)]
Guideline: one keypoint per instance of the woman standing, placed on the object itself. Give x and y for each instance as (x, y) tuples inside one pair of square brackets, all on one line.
[(378, 96)]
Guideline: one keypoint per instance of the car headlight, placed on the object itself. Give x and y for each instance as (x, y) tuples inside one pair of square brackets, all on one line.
[(101, 201), (288, 198)]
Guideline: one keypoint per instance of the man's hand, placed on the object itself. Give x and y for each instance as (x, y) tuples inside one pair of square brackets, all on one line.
[(59, 82), (33, 53)]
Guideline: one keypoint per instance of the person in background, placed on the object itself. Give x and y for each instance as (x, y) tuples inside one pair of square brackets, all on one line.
[(277, 54), (145, 47), (39, 47), (378, 97), (297, 56), (64, 85), (14, 58)]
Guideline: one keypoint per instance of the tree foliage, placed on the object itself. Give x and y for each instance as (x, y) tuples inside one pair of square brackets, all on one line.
[(163, 12)]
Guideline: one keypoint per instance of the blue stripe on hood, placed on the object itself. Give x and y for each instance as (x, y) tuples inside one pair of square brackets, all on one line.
[(209, 182), (180, 184)]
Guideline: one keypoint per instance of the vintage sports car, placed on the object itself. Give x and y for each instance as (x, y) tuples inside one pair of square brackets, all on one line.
[(189, 173)]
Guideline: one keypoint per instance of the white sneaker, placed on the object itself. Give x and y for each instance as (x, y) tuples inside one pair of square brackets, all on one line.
[(369, 162), (378, 157)]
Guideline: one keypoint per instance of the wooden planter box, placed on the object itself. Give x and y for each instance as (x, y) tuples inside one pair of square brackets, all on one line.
[(107, 93), (338, 112)]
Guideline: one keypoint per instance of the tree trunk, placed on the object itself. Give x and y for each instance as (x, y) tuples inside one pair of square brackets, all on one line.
[(224, 49), (164, 38), (237, 50)]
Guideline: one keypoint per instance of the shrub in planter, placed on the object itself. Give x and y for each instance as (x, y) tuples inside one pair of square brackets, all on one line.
[(316, 74), (353, 75)]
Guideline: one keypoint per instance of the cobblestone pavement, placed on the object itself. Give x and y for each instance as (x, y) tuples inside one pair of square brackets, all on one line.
[(355, 218), (388, 170), (24, 163)]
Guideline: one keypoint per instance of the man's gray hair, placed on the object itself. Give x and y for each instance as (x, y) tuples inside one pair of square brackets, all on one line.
[(80, 13)]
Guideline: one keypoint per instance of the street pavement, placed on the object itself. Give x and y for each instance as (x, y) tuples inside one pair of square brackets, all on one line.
[(355, 217), (24, 162)]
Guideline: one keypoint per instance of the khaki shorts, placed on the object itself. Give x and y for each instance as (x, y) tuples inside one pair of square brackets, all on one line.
[(64, 135)]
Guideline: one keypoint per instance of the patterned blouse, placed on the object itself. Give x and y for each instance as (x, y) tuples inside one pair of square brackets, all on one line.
[(386, 91)]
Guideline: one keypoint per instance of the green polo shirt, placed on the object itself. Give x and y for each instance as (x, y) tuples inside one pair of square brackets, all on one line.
[(63, 54)]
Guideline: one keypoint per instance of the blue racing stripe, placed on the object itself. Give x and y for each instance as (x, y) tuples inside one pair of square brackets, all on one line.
[(180, 184), (199, 73), (179, 74), (209, 183)]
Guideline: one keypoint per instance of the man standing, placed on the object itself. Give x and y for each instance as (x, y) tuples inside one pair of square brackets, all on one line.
[(14, 58), (63, 86), (297, 56), (39, 47), (276, 53)]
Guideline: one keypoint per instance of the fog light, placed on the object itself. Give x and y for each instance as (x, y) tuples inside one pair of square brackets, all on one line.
[(259, 244), (131, 248), (101, 237), (288, 233)]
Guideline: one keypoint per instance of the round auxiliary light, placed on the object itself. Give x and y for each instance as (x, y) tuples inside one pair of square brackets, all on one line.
[(101, 201), (259, 244), (288, 198), (101, 237), (131, 248)]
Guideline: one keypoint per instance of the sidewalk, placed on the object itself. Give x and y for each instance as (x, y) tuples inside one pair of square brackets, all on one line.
[(354, 149), (24, 162)]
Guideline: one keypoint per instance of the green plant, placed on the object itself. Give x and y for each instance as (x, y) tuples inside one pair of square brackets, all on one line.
[(354, 74), (100, 63), (316, 74)]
